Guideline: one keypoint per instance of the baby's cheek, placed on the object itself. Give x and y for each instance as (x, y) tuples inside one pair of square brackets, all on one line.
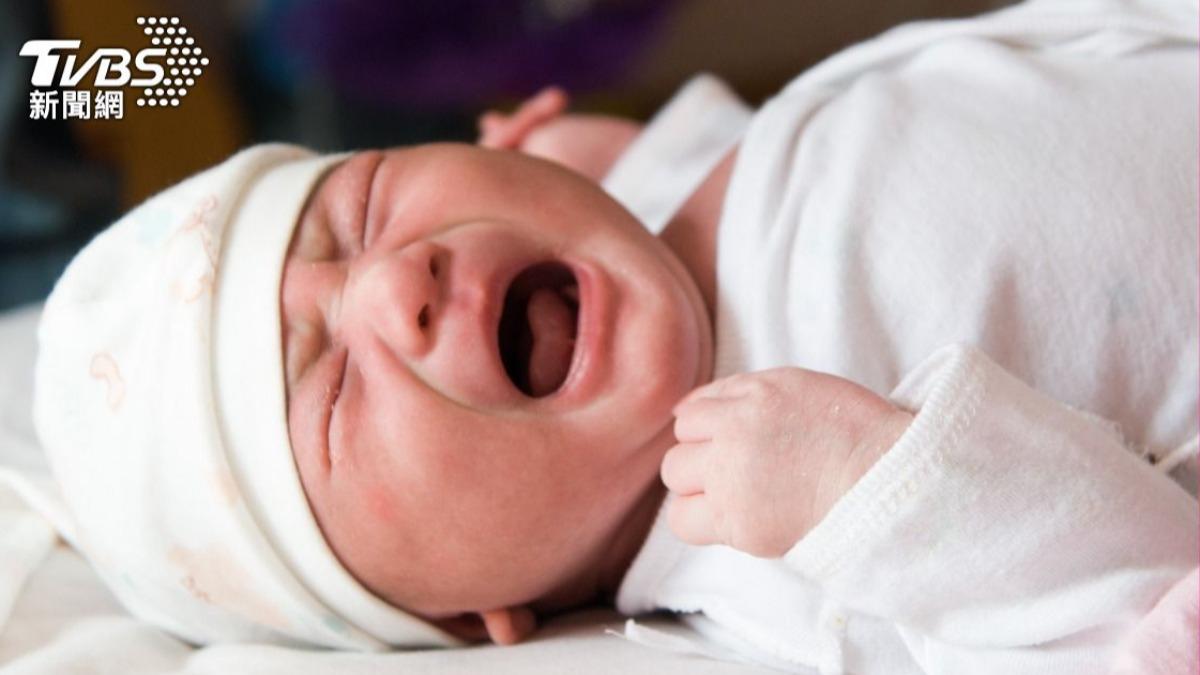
[(380, 502)]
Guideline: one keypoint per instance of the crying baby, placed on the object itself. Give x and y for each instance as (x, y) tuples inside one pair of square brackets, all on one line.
[(837, 382)]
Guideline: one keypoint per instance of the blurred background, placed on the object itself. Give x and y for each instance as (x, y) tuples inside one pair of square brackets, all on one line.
[(346, 74)]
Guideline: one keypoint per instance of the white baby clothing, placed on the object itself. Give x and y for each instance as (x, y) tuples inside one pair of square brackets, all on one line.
[(993, 221)]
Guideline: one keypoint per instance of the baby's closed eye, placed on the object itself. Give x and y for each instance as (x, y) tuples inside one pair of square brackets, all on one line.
[(303, 342)]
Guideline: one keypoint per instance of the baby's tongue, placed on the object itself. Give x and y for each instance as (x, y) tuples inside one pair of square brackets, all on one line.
[(552, 325)]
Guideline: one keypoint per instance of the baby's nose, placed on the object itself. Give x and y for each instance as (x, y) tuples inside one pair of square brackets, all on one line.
[(397, 296)]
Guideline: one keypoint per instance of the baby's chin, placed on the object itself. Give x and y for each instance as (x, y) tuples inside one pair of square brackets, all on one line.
[(501, 590), (569, 564)]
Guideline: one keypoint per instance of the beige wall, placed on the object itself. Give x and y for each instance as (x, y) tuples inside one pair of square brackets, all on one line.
[(758, 45)]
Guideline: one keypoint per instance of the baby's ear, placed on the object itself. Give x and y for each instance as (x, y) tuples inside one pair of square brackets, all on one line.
[(509, 625), (504, 626)]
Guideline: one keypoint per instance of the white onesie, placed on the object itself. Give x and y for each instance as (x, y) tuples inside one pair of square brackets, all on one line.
[(993, 221)]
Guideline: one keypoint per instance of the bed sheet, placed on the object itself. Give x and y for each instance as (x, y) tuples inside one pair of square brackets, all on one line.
[(63, 620)]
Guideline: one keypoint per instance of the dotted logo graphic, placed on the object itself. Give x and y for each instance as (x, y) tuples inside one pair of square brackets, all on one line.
[(185, 61)]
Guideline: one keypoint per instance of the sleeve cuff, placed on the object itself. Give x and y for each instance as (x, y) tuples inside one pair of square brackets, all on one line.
[(1001, 516), (945, 392)]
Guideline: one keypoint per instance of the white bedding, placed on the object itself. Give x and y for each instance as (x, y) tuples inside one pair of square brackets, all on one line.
[(63, 620)]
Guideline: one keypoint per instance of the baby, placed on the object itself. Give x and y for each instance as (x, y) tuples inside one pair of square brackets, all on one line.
[(426, 395)]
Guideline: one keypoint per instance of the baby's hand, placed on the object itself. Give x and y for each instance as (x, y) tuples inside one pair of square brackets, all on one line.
[(587, 144), (763, 456), (509, 131)]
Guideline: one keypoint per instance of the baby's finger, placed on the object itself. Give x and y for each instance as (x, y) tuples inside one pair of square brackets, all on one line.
[(496, 130), (723, 387), (490, 121), (698, 419), (508, 131), (693, 520), (683, 468), (547, 103)]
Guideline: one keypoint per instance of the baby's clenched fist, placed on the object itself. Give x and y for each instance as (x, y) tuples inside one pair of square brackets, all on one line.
[(763, 456)]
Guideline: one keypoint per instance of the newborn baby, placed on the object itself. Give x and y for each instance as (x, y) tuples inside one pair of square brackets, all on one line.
[(538, 321), (875, 340)]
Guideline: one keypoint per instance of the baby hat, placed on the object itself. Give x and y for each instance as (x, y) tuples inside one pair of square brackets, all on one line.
[(160, 401)]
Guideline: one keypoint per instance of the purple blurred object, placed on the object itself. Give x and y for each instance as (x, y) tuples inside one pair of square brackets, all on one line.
[(464, 52)]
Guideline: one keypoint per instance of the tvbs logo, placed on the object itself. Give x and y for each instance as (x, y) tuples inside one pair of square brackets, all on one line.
[(163, 72)]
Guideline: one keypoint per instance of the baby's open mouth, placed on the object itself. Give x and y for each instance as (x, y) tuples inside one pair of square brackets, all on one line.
[(538, 327)]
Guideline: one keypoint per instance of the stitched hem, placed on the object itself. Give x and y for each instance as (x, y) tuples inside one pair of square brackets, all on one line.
[(898, 477)]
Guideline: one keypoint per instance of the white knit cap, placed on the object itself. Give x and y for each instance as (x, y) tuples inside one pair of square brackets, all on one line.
[(160, 401)]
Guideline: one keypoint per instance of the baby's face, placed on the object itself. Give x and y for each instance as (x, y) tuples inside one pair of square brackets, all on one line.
[(482, 351)]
